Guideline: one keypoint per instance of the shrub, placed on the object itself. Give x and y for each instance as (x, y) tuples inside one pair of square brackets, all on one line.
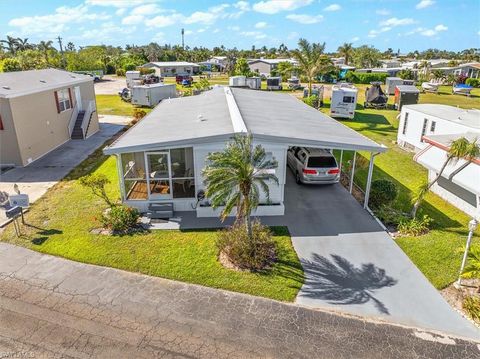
[(146, 70), (312, 101), (97, 183), (110, 68), (471, 305), (406, 74), (120, 72), (364, 77), (130, 66), (473, 82), (415, 226), (390, 216), (382, 192), (252, 254), (10, 65), (138, 114), (120, 218)]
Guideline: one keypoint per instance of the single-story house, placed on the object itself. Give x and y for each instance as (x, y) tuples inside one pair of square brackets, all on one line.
[(42, 109), (389, 63), (417, 121), (460, 181), (160, 160), (215, 62), (173, 68), (266, 66)]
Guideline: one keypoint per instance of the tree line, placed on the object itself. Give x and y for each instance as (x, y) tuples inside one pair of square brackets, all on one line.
[(19, 54)]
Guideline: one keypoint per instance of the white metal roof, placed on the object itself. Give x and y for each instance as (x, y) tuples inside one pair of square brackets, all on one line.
[(218, 114), (469, 118), (171, 64), (272, 61), (20, 83)]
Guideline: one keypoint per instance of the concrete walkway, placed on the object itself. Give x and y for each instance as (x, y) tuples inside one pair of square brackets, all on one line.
[(36, 178), (52, 307)]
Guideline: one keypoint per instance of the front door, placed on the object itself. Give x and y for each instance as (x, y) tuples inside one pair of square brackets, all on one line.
[(159, 182), (78, 98)]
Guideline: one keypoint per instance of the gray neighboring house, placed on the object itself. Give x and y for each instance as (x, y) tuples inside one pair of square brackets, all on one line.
[(173, 68), (42, 109), (160, 160), (264, 67)]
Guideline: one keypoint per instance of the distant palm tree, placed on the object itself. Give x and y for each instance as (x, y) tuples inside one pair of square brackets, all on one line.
[(45, 47), (22, 44), (346, 50), (12, 44), (309, 57), (234, 178), (459, 149)]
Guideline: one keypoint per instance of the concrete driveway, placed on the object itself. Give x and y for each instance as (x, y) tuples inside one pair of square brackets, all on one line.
[(352, 265), (36, 178)]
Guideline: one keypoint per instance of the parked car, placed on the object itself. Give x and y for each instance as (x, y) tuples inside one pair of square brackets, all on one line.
[(313, 165), (180, 78)]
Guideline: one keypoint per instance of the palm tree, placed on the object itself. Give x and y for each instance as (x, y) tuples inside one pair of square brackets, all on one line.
[(309, 58), (22, 44), (12, 44), (346, 50), (460, 148), (45, 47), (234, 177)]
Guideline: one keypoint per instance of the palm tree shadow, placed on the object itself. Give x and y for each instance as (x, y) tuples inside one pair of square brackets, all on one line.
[(339, 282)]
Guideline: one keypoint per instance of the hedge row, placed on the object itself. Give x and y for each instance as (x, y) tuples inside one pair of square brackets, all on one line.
[(473, 82), (365, 78)]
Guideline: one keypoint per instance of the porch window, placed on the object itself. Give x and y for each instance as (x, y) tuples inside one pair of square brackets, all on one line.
[(183, 178), (134, 176)]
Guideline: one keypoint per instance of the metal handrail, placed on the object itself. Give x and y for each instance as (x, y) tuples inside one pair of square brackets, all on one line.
[(73, 120), (87, 116)]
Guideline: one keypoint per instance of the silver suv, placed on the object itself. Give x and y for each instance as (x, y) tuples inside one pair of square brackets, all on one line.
[(313, 165)]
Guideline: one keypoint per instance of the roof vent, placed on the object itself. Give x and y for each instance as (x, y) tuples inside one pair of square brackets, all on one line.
[(6, 87), (201, 118), (43, 81)]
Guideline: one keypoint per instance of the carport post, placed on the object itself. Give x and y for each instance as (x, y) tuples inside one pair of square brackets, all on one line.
[(353, 171), (341, 161), (369, 179)]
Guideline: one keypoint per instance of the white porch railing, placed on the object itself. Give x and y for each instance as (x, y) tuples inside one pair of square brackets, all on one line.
[(73, 119), (90, 109)]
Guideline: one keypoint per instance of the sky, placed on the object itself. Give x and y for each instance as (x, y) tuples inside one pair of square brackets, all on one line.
[(404, 25)]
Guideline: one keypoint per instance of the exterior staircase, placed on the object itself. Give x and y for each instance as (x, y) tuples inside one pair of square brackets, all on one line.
[(160, 210), (77, 133)]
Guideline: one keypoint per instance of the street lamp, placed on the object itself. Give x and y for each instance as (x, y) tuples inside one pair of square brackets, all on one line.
[(472, 225)]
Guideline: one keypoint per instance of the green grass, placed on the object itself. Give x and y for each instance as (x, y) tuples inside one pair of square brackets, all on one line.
[(114, 105), (438, 253), (61, 221)]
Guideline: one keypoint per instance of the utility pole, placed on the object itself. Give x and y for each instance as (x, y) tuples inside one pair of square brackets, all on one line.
[(61, 51), (183, 38)]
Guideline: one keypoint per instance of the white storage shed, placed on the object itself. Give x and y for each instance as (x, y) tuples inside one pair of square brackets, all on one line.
[(151, 95)]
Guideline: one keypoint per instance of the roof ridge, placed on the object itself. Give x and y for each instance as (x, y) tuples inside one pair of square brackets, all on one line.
[(238, 123)]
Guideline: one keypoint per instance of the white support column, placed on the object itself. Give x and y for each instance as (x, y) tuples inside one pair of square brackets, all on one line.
[(353, 171), (341, 162), (120, 177), (369, 179)]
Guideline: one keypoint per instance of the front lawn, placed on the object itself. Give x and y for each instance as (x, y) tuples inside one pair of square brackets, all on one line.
[(437, 254), (60, 224)]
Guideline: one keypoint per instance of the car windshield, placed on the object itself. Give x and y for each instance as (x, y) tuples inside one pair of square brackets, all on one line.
[(322, 162)]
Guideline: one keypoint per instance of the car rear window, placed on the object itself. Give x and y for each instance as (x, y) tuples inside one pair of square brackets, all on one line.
[(321, 162)]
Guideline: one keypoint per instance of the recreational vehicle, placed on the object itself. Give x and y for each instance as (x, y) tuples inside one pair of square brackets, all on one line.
[(344, 100)]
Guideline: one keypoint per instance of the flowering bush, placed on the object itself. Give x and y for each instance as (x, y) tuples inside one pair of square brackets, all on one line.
[(120, 218)]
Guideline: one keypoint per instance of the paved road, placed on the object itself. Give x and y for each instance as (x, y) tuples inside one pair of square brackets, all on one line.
[(36, 178), (51, 307)]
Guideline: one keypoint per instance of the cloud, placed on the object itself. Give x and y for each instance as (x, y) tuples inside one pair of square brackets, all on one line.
[(216, 31), (147, 9), (107, 31), (441, 27), (333, 7), (393, 21), (261, 25), (275, 6), (159, 37), (428, 32), (163, 20), (424, 4), (305, 19), (355, 39), (375, 33), (242, 5), (293, 35), (201, 30), (234, 28), (255, 34), (118, 3), (383, 12), (132, 20), (57, 22)]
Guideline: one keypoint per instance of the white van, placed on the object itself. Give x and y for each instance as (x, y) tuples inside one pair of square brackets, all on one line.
[(344, 100)]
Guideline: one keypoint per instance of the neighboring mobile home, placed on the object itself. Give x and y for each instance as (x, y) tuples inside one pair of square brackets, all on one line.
[(42, 109), (460, 181), (173, 68), (264, 67), (416, 121), (160, 160)]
